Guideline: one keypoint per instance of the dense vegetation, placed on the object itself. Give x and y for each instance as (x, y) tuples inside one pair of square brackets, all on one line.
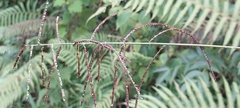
[(178, 76)]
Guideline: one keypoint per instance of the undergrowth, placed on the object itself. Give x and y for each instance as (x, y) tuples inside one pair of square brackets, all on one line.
[(94, 60)]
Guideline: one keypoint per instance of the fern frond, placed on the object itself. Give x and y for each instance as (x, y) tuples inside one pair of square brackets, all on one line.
[(14, 85), (195, 97), (19, 13), (214, 17), (28, 28)]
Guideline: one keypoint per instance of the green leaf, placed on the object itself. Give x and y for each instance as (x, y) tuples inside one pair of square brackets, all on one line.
[(99, 11), (66, 73), (191, 95), (208, 94), (123, 17), (192, 74), (163, 58), (183, 96), (236, 90), (76, 6), (172, 96), (141, 71), (174, 73), (198, 94), (155, 100), (62, 31), (218, 93), (201, 19), (228, 93), (210, 24), (58, 3), (135, 4), (142, 18), (192, 16), (236, 41), (66, 17), (162, 77), (165, 97), (143, 2), (218, 28), (167, 8), (150, 6), (174, 10), (236, 9), (182, 13), (156, 8), (137, 48), (229, 33), (128, 4)]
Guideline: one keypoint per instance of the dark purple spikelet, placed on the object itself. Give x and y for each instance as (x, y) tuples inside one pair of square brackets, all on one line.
[(19, 54), (42, 62)]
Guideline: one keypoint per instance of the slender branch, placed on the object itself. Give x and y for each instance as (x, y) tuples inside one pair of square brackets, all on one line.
[(58, 73), (89, 75), (144, 43), (120, 57), (79, 62), (42, 22), (164, 31), (42, 62), (123, 48), (29, 73), (145, 72), (19, 54), (99, 25)]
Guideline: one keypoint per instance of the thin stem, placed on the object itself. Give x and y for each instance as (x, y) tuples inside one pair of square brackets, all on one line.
[(79, 62), (99, 25), (84, 90), (123, 48), (42, 62), (120, 57), (164, 31), (58, 36), (93, 58), (58, 73), (127, 89), (29, 73), (49, 81), (144, 43), (42, 22), (19, 54), (89, 75), (145, 72), (114, 80), (98, 62)]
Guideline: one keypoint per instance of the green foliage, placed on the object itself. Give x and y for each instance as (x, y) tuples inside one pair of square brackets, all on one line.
[(198, 94), (19, 13), (210, 21), (29, 27), (182, 13)]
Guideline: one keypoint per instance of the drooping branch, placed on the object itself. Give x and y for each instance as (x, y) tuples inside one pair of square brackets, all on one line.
[(42, 62), (145, 72), (42, 22), (101, 24), (120, 57), (58, 73), (29, 72), (79, 62), (89, 75), (123, 48), (19, 54)]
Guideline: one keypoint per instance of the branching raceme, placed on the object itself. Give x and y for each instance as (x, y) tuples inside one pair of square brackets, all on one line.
[(121, 59)]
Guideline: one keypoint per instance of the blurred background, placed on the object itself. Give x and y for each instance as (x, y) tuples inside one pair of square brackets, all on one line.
[(177, 71)]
